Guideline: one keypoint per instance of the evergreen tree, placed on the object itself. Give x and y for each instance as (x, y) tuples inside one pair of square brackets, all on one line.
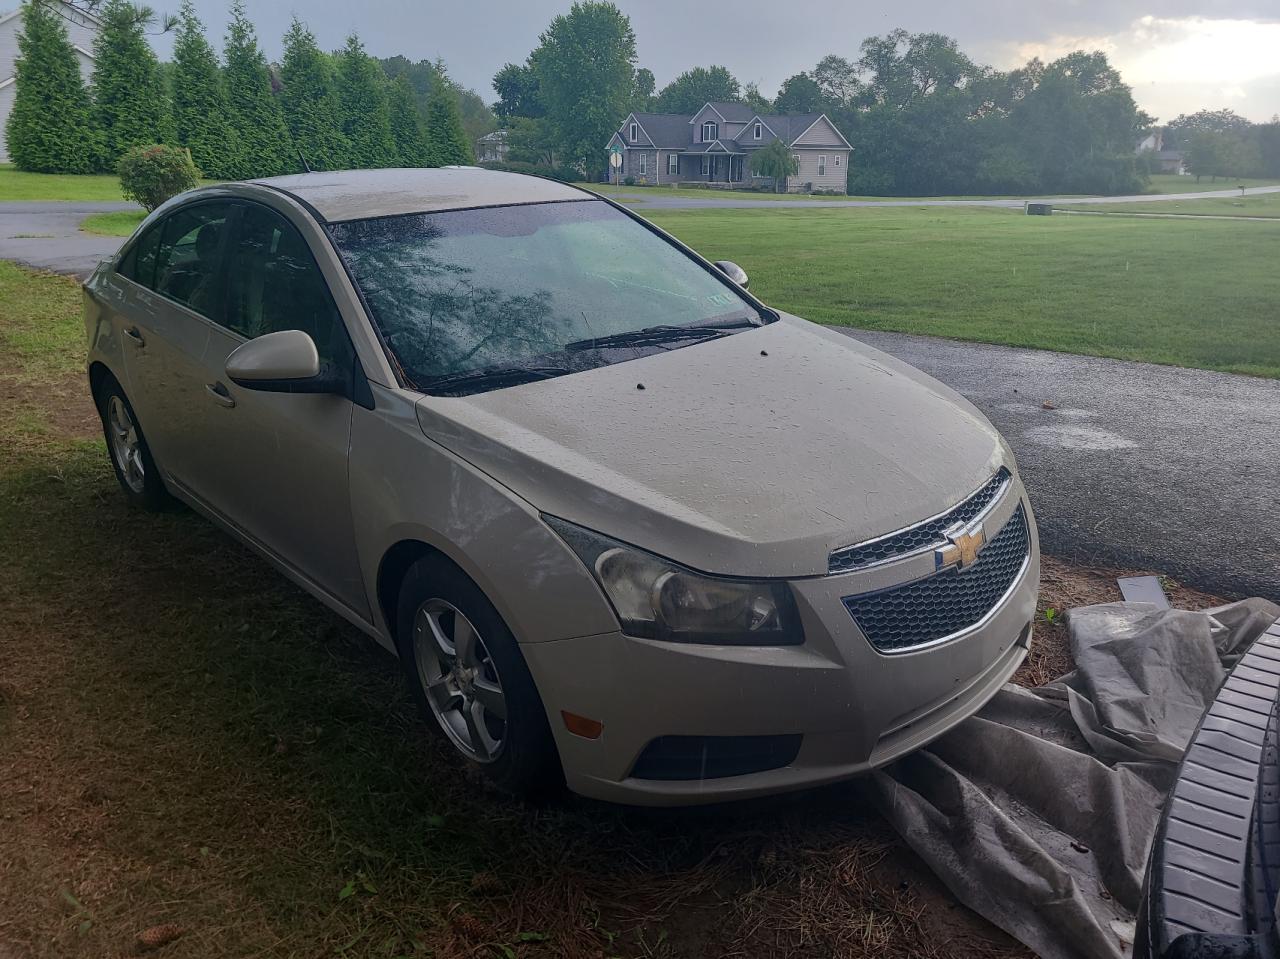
[(264, 147), (406, 124), (199, 101), (130, 106), (50, 128), (310, 100), (366, 118), (447, 142)]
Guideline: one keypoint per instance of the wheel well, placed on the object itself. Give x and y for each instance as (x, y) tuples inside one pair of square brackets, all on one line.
[(395, 563), (99, 376)]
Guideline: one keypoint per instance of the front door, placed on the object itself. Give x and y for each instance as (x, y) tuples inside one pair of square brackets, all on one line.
[(275, 464)]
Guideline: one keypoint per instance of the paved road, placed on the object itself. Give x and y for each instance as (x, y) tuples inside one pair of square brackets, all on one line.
[(1138, 465), (47, 235), (642, 199)]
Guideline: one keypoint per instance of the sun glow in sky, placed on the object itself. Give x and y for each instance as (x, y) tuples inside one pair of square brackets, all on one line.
[(1174, 62)]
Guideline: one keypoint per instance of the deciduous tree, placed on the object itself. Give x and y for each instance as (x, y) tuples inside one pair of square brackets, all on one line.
[(585, 66), (799, 94), (689, 91), (775, 160), (49, 129)]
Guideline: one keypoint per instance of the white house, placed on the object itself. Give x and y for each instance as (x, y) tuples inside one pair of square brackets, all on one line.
[(82, 29)]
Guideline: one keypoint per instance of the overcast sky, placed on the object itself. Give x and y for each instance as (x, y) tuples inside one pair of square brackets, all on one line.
[(1178, 55)]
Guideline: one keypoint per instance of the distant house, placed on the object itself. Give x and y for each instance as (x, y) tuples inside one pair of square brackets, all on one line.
[(1167, 161), (492, 147), (714, 147), (82, 30)]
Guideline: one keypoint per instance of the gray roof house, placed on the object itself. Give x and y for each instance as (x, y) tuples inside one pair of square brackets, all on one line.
[(82, 30), (714, 147)]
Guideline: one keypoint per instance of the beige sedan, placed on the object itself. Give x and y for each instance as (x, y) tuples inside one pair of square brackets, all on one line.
[(626, 526)]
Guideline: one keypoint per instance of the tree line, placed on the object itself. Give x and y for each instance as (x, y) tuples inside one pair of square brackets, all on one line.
[(1221, 143), (239, 116), (924, 118)]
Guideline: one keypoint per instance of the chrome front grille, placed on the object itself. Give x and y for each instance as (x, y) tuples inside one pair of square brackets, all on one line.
[(925, 535), (937, 607)]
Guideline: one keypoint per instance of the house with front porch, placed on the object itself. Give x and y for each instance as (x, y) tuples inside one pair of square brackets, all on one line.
[(714, 147)]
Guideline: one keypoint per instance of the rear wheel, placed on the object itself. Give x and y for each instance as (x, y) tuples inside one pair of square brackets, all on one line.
[(131, 457), (470, 680)]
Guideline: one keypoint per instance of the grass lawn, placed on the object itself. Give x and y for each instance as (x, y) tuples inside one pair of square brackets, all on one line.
[(1190, 293), (1264, 204), (1172, 183), (15, 185), (119, 223)]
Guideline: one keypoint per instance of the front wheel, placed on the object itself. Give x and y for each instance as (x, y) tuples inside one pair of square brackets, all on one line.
[(470, 680), (131, 457)]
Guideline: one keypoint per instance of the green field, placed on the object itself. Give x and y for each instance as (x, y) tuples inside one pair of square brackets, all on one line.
[(1264, 204), (1200, 293), (1172, 183), (119, 223), (18, 186)]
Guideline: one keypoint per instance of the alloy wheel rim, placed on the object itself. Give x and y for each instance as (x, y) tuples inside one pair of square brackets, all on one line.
[(126, 445), (460, 680)]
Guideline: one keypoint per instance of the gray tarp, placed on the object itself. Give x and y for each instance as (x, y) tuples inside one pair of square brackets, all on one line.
[(1039, 811)]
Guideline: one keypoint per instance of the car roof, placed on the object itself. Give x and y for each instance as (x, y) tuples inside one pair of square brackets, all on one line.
[(358, 194)]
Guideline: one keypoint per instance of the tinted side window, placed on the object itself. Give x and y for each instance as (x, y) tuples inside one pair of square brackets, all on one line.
[(190, 254), (139, 264), (274, 284)]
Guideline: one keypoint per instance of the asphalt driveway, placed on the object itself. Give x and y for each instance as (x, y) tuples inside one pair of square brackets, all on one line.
[(1134, 464), (47, 235)]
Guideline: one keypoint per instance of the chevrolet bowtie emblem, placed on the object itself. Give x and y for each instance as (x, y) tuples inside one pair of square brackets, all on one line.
[(963, 545)]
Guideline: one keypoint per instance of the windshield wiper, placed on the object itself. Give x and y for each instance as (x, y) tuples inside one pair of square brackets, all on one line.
[(493, 378), (660, 334)]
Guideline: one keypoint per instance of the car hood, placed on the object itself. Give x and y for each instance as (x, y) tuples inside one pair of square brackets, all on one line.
[(755, 454)]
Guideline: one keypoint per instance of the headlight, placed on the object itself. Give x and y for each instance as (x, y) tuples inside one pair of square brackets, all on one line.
[(657, 599)]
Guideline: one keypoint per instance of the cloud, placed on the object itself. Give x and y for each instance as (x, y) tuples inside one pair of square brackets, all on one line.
[(1167, 59)]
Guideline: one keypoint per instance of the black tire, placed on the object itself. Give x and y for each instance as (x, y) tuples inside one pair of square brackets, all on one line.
[(527, 763), (148, 491)]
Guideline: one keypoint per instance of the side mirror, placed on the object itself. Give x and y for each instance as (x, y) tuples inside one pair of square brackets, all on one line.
[(283, 362), (733, 272)]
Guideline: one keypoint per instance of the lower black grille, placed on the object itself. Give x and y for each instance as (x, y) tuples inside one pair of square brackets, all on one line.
[(714, 757), (936, 607)]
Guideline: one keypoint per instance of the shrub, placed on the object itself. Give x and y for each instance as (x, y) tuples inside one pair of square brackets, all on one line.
[(566, 174), (629, 181), (151, 174)]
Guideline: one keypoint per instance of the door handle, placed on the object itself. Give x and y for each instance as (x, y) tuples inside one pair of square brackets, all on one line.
[(220, 395), (133, 334)]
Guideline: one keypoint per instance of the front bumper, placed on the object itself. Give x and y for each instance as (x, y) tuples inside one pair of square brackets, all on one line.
[(850, 707)]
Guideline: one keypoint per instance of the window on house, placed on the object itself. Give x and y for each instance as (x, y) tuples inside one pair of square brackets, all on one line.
[(643, 168), (822, 164), (633, 133), (837, 159), (796, 157), (673, 164), (710, 131), (706, 165), (758, 132)]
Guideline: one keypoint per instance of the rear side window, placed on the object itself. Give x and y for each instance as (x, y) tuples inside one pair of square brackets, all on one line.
[(190, 255), (139, 263), (274, 284)]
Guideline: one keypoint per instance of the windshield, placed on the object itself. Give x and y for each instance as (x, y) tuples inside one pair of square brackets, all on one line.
[(552, 288)]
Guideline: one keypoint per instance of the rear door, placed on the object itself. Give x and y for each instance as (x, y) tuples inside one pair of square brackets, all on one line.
[(275, 464), (169, 306)]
